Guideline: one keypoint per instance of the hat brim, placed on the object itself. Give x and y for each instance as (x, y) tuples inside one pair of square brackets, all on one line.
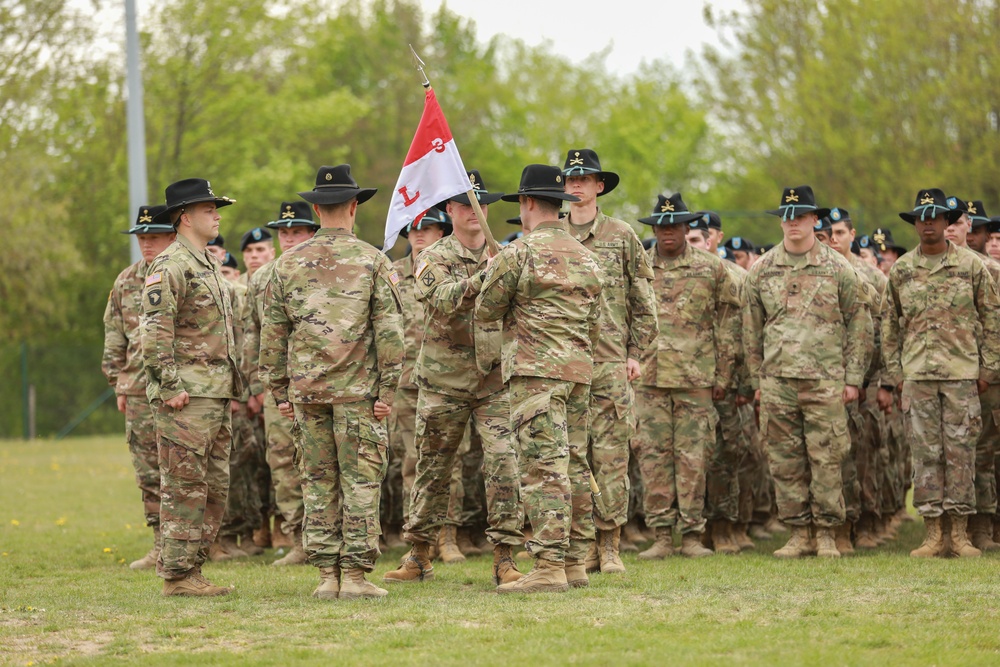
[(979, 221), (163, 218), (547, 194), (677, 219), (294, 222), (951, 214), (326, 197), (516, 220), (446, 226), (151, 229), (609, 178), (820, 212), (483, 199)]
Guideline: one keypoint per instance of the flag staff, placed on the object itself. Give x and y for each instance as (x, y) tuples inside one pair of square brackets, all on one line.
[(491, 243)]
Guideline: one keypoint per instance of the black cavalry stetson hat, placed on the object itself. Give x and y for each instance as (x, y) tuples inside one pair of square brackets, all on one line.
[(294, 214), (931, 203), (796, 201), (255, 235), (670, 211), (882, 240), (483, 196), (977, 213), (144, 221), (432, 216), (188, 191), (583, 161), (335, 185), (541, 180)]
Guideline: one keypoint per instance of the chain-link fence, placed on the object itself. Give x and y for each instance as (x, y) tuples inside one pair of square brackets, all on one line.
[(51, 390)]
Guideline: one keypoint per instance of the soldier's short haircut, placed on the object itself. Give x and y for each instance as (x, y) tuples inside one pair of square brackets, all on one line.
[(846, 222), (549, 203), (703, 232), (175, 217), (332, 209)]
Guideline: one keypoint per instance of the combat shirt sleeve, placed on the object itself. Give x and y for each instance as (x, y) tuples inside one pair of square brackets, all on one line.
[(276, 327), (753, 328), (115, 338), (387, 321), (251, 334), (643, 326), (892, 334), (858, 323), (727, 326), (440, 289), (499, 285), (988, 305), (164, 289)]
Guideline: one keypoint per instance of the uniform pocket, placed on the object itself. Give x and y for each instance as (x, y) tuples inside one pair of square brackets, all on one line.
[(373, 450), (527, 410)]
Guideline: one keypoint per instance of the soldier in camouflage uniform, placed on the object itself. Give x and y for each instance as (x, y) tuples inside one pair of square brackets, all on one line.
[(459, 379), (331, 350), (690, 364), (192, 374), (806, 331), (421, 233), (122, 366), (293, 226), (546, 288), (941, 338), (628, 327), (971, 230)]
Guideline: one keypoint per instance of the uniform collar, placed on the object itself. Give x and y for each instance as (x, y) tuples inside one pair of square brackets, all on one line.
[(552, 224), (683, 259), (333, 231), (784, 258), (594, 225), (950, 258), (201, 255)]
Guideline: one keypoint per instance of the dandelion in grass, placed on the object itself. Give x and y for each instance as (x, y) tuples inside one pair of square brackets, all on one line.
[(61, 521), (15, 523), (107, 550)]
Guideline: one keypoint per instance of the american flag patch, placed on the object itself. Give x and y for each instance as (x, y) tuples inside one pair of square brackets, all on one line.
[(394, 277), (153, 279)]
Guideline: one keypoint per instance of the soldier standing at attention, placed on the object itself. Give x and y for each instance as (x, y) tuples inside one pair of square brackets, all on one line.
[(192, 370), (331, 348), (628, 327), (257, 250), (941, 342), (690, 364), (294, 225), (806, 329), (122, 366), (459, 378), (546, 288)]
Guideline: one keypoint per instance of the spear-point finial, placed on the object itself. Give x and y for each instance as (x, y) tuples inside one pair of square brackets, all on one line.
[(419, 64)]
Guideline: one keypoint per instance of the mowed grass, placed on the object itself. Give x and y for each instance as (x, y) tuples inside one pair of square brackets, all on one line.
[(70, 521)]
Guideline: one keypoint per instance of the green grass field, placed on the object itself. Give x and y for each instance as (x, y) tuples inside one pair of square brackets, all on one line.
[(70, 520)]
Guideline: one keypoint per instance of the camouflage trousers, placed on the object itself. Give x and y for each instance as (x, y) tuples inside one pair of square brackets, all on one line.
[(804, 426), (849, 466), (611, 405), (898, 469), (403, 459), (281, 461), (756, 488), (549, 418), (440, 428), (140, 431), (943, 422), (261, 471), (243, 502), (869, 457), (344, 458), (986, 450), (193, 445), (467, 506), (722, 483), (676, 434)]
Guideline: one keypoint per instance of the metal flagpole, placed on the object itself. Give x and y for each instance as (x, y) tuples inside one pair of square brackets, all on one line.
[(135, 125)]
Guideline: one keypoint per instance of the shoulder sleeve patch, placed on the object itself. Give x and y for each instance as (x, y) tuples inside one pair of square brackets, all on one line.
[(394, 277), (420, 269), (154, 278)]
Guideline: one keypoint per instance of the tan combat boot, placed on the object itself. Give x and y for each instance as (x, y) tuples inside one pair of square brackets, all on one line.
[(448, 550), (798, 544), (945, 550), (758, 532), (960, 544), (826, 544), (394, 538), (607, 551), (624, 545), (416, 567), (866, 535), (662, 547), (631, 532), (981, 532), (355, 586), (148, 561), (248, 545), (504, 569), (329, 584), (232, 547), (933, 541), (576, 574), (722, 538), (547, 576), (692, 547), (842, 535), (217, 553), (194, 585), (296, 555), (741, 537), (279, 540), (262, 535), (464, 543)]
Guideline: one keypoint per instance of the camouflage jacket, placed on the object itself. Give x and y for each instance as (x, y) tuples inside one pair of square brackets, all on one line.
[(696, 303), (413, 320), (332, 330), (878, 282), (187, 326), (941, 319), (628, 315), (546, 287), (447, 279), (122, 363), (806, 317), (741, 376), (253, 315), (992, 266), (238, 296)]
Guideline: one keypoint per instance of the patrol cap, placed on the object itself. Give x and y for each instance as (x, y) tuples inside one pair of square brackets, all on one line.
[(255, 235), (583, 161), (230, 261), (670, 211), (294, 214), (432, 216), (144, 222)]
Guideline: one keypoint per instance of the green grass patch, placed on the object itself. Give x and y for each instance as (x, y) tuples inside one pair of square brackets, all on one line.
[(70, 521)]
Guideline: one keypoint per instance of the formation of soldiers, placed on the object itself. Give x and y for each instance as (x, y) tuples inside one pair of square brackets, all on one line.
[(573, 393)]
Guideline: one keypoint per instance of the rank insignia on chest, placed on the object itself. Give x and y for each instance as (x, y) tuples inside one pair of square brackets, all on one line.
[(793, 288), (154, 297)]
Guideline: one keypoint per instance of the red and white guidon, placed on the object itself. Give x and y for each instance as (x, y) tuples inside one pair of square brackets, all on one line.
[(433, 171)]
